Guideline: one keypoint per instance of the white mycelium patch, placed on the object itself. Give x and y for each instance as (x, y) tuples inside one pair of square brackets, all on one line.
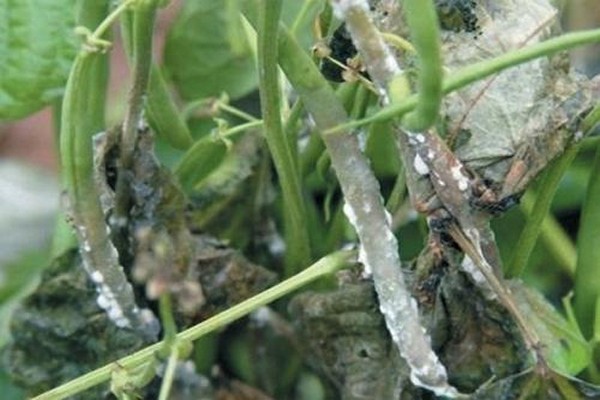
[(97, 277), (420, 166), (341, 7), (461, 179), (478, 278)]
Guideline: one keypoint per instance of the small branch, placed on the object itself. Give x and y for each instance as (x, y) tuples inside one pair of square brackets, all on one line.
[(167, 382), (530, 233), (298, 248), (163, 114), (554, 237), (144, 15)]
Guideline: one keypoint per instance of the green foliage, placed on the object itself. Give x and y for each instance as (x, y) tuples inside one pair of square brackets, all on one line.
[(200, 161), (199, 57), (203, 59), (38, 44)]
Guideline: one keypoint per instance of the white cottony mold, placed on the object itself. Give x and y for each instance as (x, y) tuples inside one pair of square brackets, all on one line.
[(478, 278), (102, 301), (262, 316), (97, 277), (350, 214), (460, 177), (341, 7), (420, 166), (362, 258)]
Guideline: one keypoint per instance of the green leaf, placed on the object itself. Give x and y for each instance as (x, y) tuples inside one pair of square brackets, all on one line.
[(37, 45), (199, 56), (200, 161), (203, 55), (564, 347)]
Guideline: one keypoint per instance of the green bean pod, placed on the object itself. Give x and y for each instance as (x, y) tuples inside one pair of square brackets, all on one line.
[(82, 118)]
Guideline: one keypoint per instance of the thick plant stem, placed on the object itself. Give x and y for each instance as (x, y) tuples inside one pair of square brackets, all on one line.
[(298, 249), (143, 26), (364, 207), (325, 266), (587, 278), (544, 197), (83, 117)]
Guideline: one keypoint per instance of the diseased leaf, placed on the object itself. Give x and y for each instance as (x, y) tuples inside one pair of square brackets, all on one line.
[(37, 44)]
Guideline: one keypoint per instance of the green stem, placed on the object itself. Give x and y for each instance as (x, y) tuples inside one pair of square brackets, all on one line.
[(587, 278), (421, 18), (325, 266), (168, 321), (557, 241), (298, 249), (108, 21), (540, 210), (62, 236), (301, 16), (163, 115), (592, 119), (143, 26), (235, 32), (167, 382), (236, 112), (478, 71)]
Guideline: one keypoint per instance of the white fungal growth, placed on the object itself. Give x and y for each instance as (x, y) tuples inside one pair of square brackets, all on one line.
[(102, 302), (342, 7), (478, 278), (420, 166), (276, 244), (350, 214), (420, 138), (362, 258), (396, 304), (262, 316), (388, 218), (461, 179), (97, 277), (108, 302), (362, 140), (367, 208)]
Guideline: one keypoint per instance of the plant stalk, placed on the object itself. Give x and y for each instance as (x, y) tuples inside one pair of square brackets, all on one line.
[(298, 248), (530, 233), (143, 26)]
